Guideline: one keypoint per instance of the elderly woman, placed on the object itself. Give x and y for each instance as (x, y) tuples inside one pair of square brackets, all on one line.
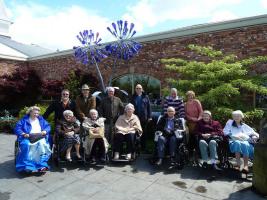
[(193, 110), (209, 132), (95, 142), (68, 128), (240, 135), (33, 133), (126, 127)]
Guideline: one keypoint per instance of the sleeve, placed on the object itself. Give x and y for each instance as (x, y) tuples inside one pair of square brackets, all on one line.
[(18, 130), (85, 125), (101, 109), (46, 126), (49, 110), (138, 126), (121, 107), (181, 109), (227, 128), (149, 113), (76, 128), (218, 129), (93, 99), (199, 131), (165, 106), (249, 131), (200, 109), (78, 109), (118, 125)]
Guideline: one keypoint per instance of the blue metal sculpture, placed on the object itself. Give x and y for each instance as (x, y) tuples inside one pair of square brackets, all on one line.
[(92, 52)]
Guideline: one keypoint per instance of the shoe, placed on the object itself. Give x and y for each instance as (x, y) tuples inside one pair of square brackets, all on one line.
[(172, 161), (102, 160), (128, 156), (159, 162), (116, 156), (93, 160), (245, 170), (214, 166), (205, 165), (68, 159), (43, 169)]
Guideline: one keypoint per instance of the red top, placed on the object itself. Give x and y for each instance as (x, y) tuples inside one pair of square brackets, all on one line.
[(193, 110), (212, 127)]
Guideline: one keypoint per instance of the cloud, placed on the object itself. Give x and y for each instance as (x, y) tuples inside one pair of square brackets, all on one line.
[(223, 16), (151, 12), (264, 3), (54, 28)]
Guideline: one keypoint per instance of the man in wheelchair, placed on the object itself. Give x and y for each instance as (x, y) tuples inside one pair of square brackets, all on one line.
[(127, 126), (169, 133)]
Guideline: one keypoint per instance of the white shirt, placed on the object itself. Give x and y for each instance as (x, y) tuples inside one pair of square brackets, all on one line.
[(243, 128), (36, 128)]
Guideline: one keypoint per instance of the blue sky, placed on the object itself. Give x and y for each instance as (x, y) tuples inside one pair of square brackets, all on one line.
[(55, 23)]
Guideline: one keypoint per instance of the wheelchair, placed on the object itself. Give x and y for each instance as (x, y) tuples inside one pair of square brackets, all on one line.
[(59, 157), (16, 150), (122, 158), (181, 153), (87, 160)]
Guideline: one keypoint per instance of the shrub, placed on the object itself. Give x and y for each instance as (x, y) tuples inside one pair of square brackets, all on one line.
[(222, 82)]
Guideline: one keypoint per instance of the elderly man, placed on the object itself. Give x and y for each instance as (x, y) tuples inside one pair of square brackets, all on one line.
[(84, 103), (166, 134), (142, 106), (175, 101), (111, 107)]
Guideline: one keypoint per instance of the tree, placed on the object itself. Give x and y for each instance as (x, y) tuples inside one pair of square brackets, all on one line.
[(222, 82)]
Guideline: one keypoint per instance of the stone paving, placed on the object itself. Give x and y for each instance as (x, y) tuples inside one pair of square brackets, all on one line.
[(137, 181)]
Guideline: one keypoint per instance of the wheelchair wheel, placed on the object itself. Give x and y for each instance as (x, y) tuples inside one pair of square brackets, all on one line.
[(16, 150)]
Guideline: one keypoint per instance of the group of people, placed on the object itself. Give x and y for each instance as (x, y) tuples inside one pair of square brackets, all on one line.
[(112, 123)]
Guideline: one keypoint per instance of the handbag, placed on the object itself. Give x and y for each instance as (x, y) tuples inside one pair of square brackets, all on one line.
[(36, 137)]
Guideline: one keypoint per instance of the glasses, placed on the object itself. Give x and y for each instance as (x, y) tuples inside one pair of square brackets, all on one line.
[(65, 94), (138, 88)]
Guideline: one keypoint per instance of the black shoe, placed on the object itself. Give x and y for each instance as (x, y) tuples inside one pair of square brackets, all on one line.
[(214, 166), (159, 162), (173, 161), (205, 165), (93, 160), (103, 160)]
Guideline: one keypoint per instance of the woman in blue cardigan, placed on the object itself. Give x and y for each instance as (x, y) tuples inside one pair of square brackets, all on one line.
[(34, 149)]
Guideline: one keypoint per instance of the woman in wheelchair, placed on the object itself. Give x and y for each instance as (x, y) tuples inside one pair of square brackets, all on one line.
[(241, 136), (127, 126), (168, 132), (68, 130), (209, 134), (95, 137), (33, 134)]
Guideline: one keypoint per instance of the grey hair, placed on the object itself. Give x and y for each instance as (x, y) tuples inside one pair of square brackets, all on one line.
[(171, 107), (68, 112), (110, 89), (129, 106), (238, 112), (33, 108), (93, 111), (174, 90)]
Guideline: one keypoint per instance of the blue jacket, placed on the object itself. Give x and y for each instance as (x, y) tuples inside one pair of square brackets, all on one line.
[(145, 107), (24, 126)]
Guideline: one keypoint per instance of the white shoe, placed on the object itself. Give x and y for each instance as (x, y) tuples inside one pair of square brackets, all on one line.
[(128, 156), (116, 155)]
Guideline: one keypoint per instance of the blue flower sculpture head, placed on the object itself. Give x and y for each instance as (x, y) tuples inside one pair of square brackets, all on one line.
[(125, 47), (90, 51)]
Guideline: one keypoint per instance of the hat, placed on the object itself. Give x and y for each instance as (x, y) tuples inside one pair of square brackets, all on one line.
[(85, 87)]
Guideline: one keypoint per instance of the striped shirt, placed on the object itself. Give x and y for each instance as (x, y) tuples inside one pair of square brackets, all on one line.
[(177, 103)]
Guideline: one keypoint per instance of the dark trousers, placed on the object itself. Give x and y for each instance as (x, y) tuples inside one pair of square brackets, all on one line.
[(98, 149), (144, 135), (128, 138)]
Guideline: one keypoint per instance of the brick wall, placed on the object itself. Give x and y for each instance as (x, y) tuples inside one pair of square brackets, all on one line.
[(244, 42)]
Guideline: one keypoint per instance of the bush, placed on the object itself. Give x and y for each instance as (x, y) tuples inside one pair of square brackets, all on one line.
[(7, 122), (222, 82)]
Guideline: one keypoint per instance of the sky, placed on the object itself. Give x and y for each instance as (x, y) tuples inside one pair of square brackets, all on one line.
[(54, 24)]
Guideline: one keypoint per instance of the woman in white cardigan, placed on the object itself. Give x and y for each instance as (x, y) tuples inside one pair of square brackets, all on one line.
[(241, 135)]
